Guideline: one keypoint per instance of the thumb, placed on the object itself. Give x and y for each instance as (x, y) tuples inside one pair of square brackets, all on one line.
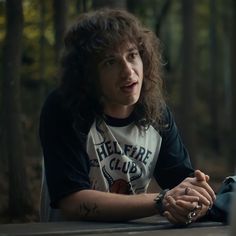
[(200, 176)]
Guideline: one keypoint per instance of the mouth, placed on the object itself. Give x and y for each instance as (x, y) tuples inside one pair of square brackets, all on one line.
[(129, 87)]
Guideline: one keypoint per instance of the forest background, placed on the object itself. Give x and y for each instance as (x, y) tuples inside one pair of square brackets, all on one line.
[(198, 40)]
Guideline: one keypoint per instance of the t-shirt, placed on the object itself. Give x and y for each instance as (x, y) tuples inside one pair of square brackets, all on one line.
[(112, 155), (122, 158)]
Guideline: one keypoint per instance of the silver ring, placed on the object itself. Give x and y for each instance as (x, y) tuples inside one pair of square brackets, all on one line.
[(198, 207), (187, 190), (191, 214), (188, 222)]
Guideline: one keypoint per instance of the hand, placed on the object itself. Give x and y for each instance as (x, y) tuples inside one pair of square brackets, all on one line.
[(189, 200), (201, 181), (182, 212), (195, 186)]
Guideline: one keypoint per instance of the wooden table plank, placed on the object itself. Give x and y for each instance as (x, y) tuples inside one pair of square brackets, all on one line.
[(143, 226), (202, 231)]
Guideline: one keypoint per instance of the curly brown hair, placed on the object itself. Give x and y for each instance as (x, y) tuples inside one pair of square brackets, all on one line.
[(93, 34)]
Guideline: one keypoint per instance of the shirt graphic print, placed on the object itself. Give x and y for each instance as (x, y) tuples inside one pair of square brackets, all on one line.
[(122, 159)]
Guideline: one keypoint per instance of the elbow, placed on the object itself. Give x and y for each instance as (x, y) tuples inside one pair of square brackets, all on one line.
[(69, 209), (77, 206)]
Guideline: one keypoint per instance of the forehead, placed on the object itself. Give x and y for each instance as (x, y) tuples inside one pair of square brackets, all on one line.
[(118, 49)]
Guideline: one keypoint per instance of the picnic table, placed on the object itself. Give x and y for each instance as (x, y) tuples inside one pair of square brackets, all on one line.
[(154, 225)]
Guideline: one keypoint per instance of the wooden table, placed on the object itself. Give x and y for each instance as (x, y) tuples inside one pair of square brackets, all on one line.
[(147, 226)]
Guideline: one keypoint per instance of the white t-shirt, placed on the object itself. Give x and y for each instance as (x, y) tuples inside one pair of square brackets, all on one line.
[(122, 158)]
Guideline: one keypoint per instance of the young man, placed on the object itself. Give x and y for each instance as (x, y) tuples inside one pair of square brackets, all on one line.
[(106, 131)]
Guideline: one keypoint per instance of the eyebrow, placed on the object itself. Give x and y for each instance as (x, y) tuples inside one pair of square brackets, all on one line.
[(110, 55)]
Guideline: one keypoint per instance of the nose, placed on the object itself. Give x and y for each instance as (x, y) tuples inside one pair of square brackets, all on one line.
[(126, 69)]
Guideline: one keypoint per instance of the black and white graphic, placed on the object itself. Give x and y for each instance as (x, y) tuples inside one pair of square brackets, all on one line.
[(122, 159)]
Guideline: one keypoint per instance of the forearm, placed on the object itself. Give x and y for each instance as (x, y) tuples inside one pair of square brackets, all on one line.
[(102, 206)]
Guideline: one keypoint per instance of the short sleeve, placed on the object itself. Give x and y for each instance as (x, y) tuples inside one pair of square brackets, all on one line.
[(65, 158), (173, 164)]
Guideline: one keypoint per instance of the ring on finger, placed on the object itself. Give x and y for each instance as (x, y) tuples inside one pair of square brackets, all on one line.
[(188, 222), (187, 190), (191, 214), (189, 219), (198, 207)]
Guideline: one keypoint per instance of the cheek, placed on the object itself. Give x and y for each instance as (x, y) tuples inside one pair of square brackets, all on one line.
[(141, 69), (106, 85)]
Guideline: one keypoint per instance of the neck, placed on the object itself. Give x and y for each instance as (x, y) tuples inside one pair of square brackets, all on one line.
[(119, 112)]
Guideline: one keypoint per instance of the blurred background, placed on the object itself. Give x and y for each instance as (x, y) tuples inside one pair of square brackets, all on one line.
[(199, 49)]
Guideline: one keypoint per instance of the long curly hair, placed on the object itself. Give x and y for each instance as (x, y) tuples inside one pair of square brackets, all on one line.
[(87, 40)]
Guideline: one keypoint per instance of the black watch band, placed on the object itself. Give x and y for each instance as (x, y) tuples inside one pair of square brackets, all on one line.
[(158, 200)]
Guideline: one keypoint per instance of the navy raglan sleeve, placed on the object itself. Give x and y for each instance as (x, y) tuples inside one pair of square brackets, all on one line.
[(65, 159), (173, 164)]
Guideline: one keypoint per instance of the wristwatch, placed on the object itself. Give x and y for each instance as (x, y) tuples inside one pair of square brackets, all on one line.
[(159, 201)]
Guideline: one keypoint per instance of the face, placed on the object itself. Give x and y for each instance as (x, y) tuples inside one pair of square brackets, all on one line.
[(121, 77)]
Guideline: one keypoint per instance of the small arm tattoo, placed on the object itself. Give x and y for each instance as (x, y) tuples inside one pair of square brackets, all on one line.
[(88, 209)]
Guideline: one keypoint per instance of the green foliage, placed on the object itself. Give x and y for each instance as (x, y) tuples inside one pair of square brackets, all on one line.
[(33, 78), (39, 76)]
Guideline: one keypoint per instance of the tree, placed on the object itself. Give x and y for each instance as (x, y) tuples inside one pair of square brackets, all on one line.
[(187, 114), (42, 44), (161, 16), (109, 3), (19, 196), (214, 100), (60, 19), (233, 87)]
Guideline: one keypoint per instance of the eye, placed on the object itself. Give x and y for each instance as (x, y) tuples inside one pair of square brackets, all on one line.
[(109, 62), (133, 55)]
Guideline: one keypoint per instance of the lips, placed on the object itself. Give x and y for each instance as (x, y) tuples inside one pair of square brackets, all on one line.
[(129, 87)]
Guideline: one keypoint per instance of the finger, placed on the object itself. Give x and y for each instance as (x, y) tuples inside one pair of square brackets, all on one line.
[(187, 198), (174, 208), (173, 219), (178, 212), (200, 175), (202, 211), (202, 182), (189, 206), (170, 217), (207, 178), (204, 197), (207, 192), (202, 193)]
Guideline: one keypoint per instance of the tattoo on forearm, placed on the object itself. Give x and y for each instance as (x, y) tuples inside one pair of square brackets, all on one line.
[(88, 209)]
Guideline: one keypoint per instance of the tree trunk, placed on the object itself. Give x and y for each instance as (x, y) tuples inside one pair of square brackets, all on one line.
[(82, 5), (19, 195), (233, 88), (110, 3), (187, 115), (60, 17), (161, 16), (214, 81)]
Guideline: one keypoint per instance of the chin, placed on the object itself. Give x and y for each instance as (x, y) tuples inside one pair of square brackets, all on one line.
[(131, 101)]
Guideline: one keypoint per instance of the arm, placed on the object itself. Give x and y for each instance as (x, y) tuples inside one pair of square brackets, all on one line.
[(103, 206), (174, 165)]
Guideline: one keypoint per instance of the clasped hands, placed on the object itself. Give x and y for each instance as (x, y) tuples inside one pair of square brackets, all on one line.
[(190, 200)]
